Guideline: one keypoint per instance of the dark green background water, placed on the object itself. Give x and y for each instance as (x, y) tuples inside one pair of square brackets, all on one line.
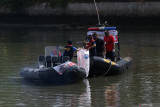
[(139, 86)]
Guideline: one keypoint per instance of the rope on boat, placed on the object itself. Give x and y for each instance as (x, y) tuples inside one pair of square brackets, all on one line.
[(97, 12), (107, 70)]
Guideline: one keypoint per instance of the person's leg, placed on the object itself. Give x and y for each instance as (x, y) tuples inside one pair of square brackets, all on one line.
[(107, 55), (110, 55), (100, 55)]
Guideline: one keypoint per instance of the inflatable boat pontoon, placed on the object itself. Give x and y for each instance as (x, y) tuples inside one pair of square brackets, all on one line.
[(103, 67), (54, 69), (67, 72)]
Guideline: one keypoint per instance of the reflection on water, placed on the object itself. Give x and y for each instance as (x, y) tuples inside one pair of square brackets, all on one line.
[(139, 86), (112, 96), (58, 95)]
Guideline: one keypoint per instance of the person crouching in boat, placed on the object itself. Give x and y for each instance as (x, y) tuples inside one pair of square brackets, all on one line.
[(110, 46), (100, 47), (91, 46), (69, 50)]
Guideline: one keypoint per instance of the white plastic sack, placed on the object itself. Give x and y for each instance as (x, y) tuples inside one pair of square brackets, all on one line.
[(62, 68), (83, 60)]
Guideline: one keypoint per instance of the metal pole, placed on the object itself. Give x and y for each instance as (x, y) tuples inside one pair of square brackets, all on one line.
[(118, 49)]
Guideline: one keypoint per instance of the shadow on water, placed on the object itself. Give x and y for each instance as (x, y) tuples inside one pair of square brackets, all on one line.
[(44, 83)]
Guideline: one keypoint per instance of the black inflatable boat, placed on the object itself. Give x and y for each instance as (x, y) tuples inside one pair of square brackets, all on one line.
[(67, 72), (54, 69), (103, 67)]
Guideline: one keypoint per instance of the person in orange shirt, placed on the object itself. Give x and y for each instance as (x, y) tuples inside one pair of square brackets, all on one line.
[(91, 46), (110, 46)]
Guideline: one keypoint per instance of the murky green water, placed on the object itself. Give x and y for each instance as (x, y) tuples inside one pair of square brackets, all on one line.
[(138, 87)]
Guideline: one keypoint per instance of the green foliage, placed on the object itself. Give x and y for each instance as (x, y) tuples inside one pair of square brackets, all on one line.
[(60, 3), (21, 4), (16, 4)]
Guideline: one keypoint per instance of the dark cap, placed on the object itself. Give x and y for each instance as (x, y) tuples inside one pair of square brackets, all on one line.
[(106, 32), (94, 34), (89, 36), (70, 42)]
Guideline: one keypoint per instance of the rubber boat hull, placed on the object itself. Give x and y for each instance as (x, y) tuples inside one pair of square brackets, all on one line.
[(103, 67), (66, 74)]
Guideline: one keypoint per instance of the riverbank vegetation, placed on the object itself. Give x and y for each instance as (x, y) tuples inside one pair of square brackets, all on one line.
[(22, 4), (17, 5)]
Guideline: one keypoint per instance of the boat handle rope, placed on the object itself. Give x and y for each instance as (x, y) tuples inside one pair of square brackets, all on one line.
[(107, 70)]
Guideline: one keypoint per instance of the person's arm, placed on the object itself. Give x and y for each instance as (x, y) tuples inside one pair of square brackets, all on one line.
[(104, 48), (86, 43), (104, 44), (113, 43), (93, 46), (75, 49)]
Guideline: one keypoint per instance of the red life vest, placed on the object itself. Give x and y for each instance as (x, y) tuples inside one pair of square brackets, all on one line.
[(90, 43), (68, 51)]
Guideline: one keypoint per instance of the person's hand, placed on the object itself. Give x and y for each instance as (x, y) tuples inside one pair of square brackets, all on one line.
[(78, 49), (85, 41), (104, 53), (113, 50)]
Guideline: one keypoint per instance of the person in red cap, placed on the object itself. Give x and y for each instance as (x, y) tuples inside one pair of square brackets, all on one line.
[(110, 46)]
